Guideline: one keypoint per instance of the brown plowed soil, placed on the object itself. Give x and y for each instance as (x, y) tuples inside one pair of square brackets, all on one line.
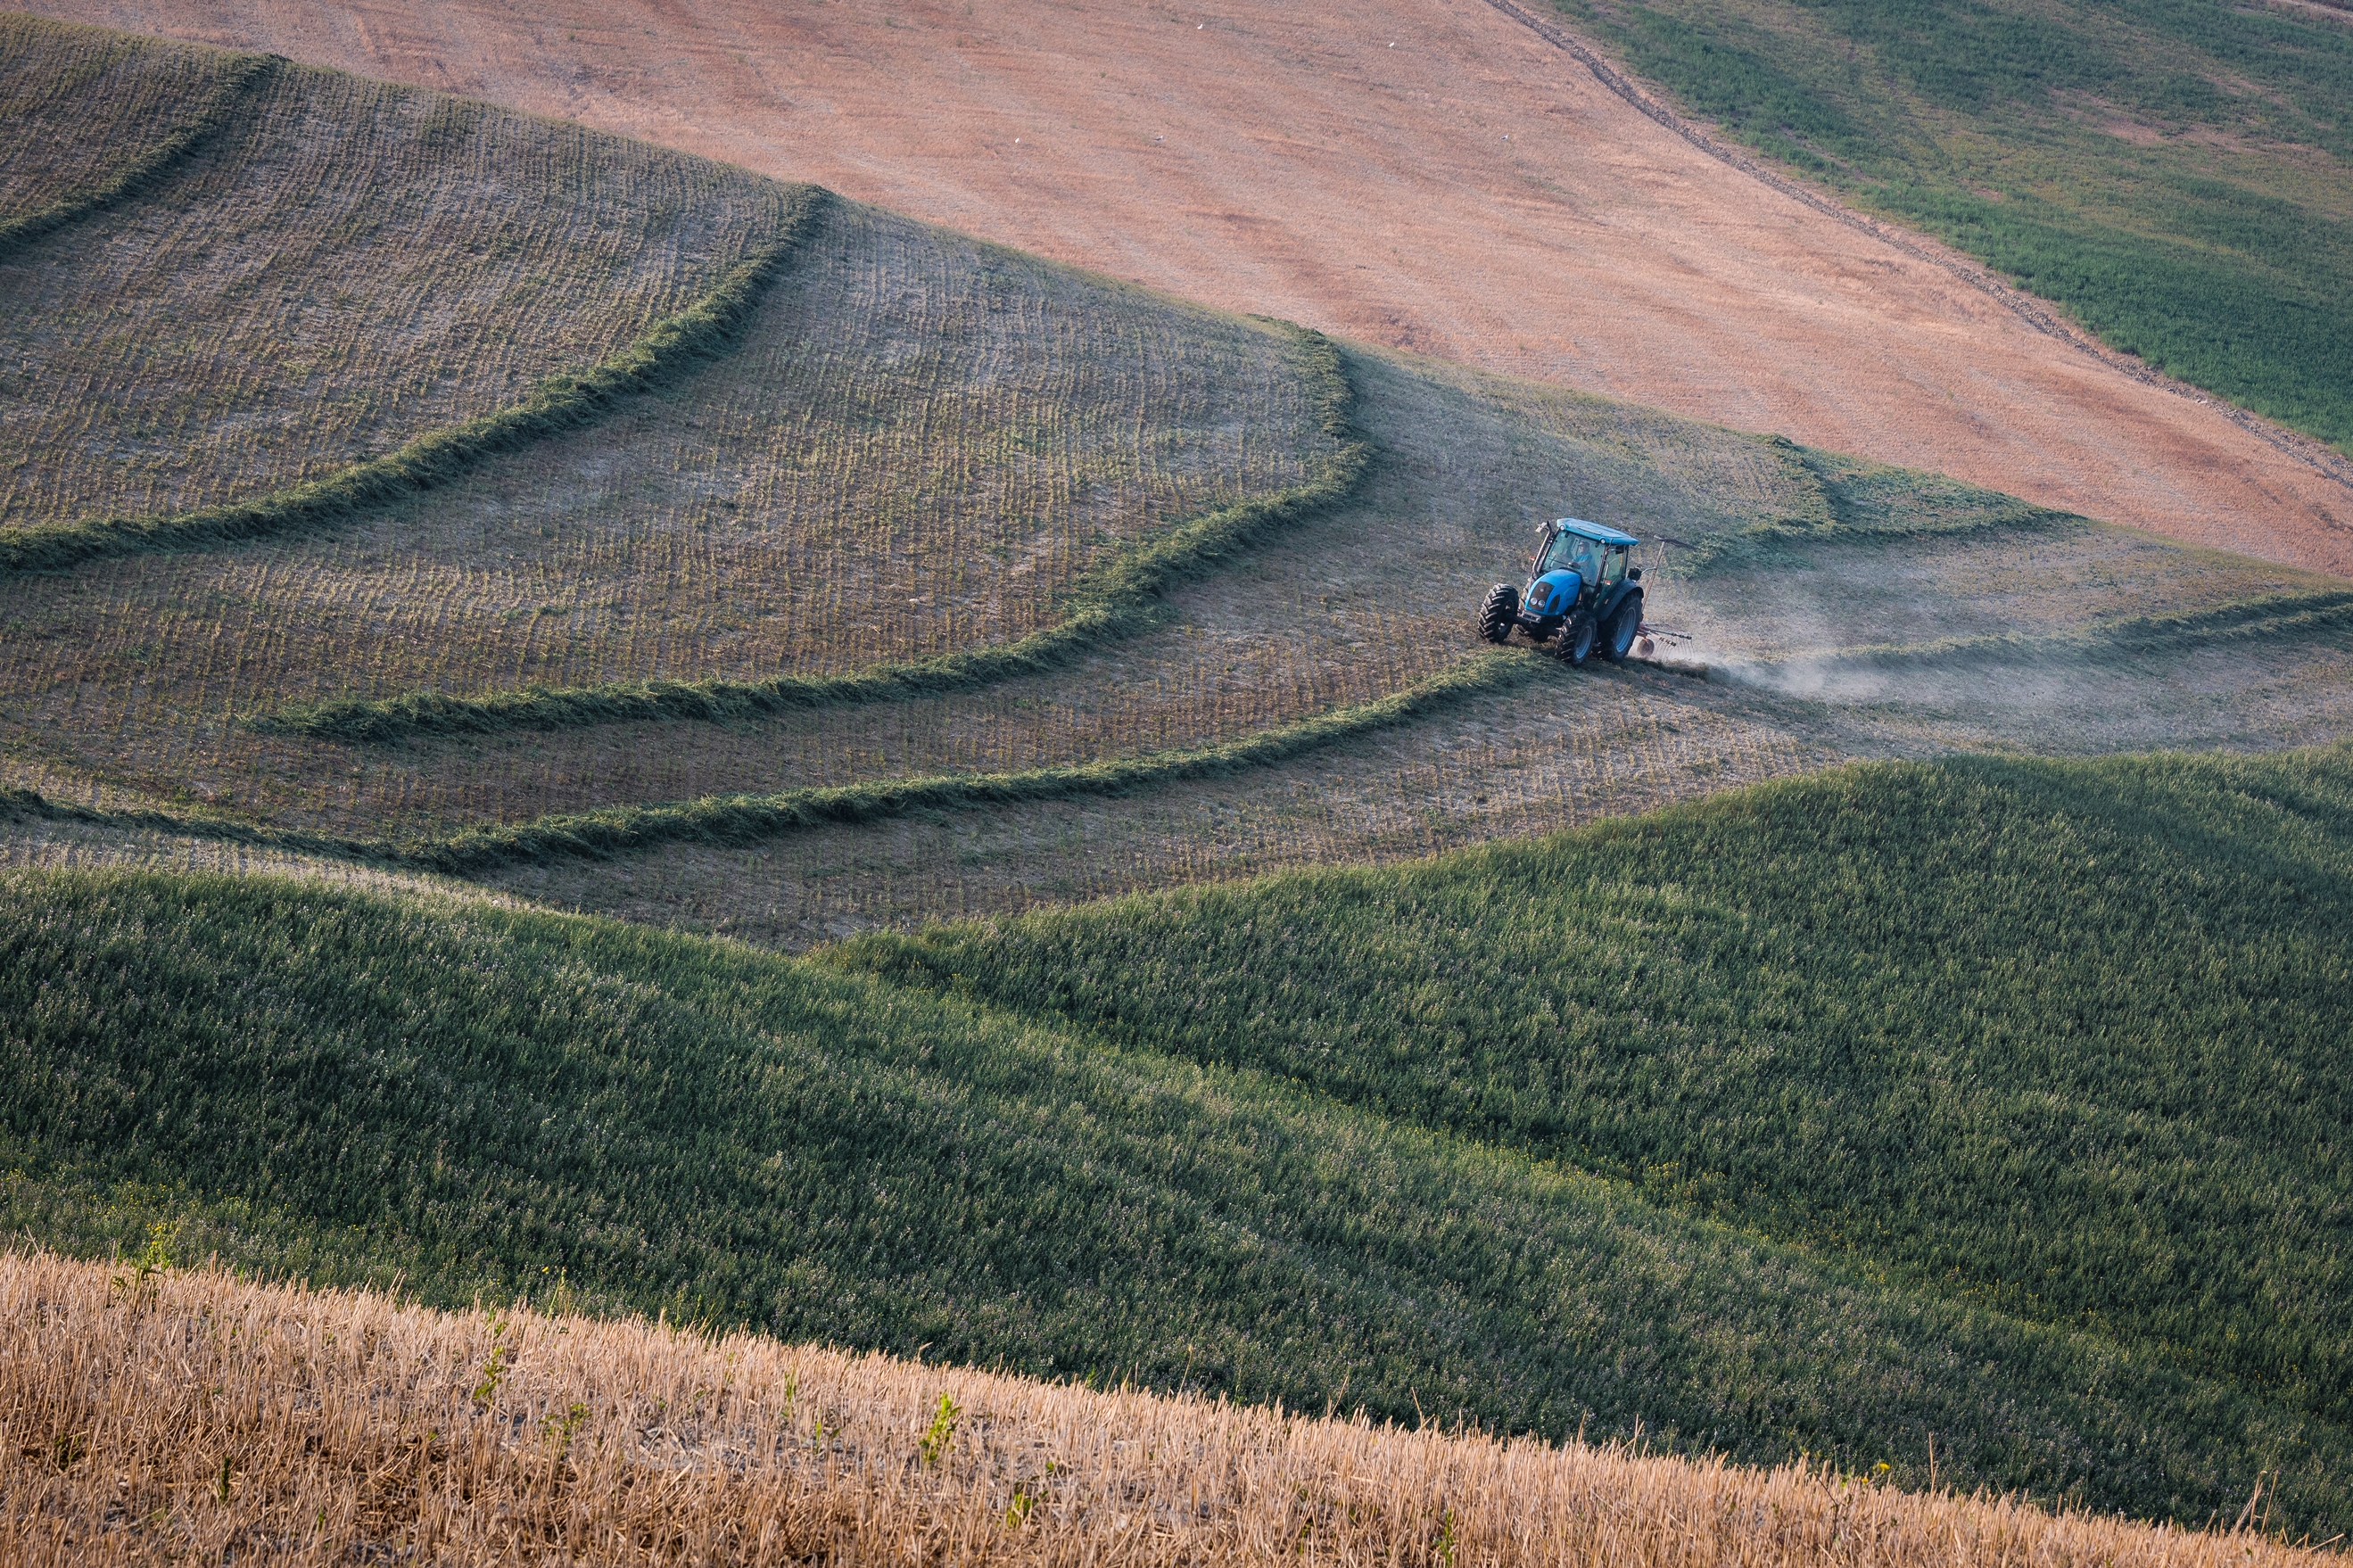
[(1429, 174)]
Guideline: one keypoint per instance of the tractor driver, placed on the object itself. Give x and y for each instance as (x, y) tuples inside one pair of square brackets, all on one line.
[(1570, 553)]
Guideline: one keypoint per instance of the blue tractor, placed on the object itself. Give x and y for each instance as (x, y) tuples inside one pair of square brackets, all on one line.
[(1582, 596)]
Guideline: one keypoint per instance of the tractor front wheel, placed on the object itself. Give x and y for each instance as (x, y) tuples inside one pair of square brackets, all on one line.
[(1500, 613), (1576, 639), (1624, 627)]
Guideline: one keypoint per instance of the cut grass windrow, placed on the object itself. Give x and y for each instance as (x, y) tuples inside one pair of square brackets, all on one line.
[(2285, 618), (739, 818), (1746, 546), (561, 403), (743, 818), (1833, 514), (144, 172), (1105, 605)]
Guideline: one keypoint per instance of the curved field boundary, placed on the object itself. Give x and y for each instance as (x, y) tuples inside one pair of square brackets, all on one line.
[(561, 403), (2285, 618), (1831, 520), (17, 804), (2042, 317), (151, 167), (1735, 548), (1105, 605), (744, 818)]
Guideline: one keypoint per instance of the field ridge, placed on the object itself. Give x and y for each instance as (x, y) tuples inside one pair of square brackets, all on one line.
[(1108, 605), (667, 349)]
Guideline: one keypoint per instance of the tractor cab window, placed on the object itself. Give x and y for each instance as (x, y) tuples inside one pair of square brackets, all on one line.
[(1613, 566), (1568, 552)]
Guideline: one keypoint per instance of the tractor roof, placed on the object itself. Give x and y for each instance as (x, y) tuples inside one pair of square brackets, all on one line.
[(1602, 532)]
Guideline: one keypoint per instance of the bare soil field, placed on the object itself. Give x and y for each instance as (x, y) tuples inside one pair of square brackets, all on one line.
[(156, 1415), (1439, 177)]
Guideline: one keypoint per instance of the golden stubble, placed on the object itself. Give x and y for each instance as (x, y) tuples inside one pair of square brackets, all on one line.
[(188, 1417)]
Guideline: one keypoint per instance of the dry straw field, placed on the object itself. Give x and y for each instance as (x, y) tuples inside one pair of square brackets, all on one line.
[(268, 1423)]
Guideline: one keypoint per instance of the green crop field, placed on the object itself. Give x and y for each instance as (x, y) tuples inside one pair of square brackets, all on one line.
[(486, 610), (1994, 1101), (2178, 173)]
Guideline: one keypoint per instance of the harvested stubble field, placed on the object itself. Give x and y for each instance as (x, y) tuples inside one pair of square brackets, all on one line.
[(345, 265), (1441, 176), (1342, 606), (96, 115), (913, 449), (318, 1426), (1626, 742), (1773, 578), (916, 446)]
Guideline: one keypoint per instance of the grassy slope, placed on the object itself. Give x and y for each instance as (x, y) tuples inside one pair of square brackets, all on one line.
[(2067, 1040), (1833, 1020), (2178, 173)]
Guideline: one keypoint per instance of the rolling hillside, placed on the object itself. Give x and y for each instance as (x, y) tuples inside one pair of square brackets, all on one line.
[(1439, 176), (1755, 1122), (456, 531), (883, 505)]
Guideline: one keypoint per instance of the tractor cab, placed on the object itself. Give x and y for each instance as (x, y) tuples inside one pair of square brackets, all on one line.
[(1582, 593), (1574, 556)]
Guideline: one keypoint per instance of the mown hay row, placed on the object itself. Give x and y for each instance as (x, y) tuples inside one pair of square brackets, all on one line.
[(670, 348), (1179, 687), (1550, 753), (346, 267), (1106, 603), (155, 1414), (70, 95), (747, 818), (908, 415)]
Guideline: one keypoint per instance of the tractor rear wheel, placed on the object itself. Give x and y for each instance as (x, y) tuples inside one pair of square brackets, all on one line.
[(1624, 627), (1500, 613), (1577, 639)]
